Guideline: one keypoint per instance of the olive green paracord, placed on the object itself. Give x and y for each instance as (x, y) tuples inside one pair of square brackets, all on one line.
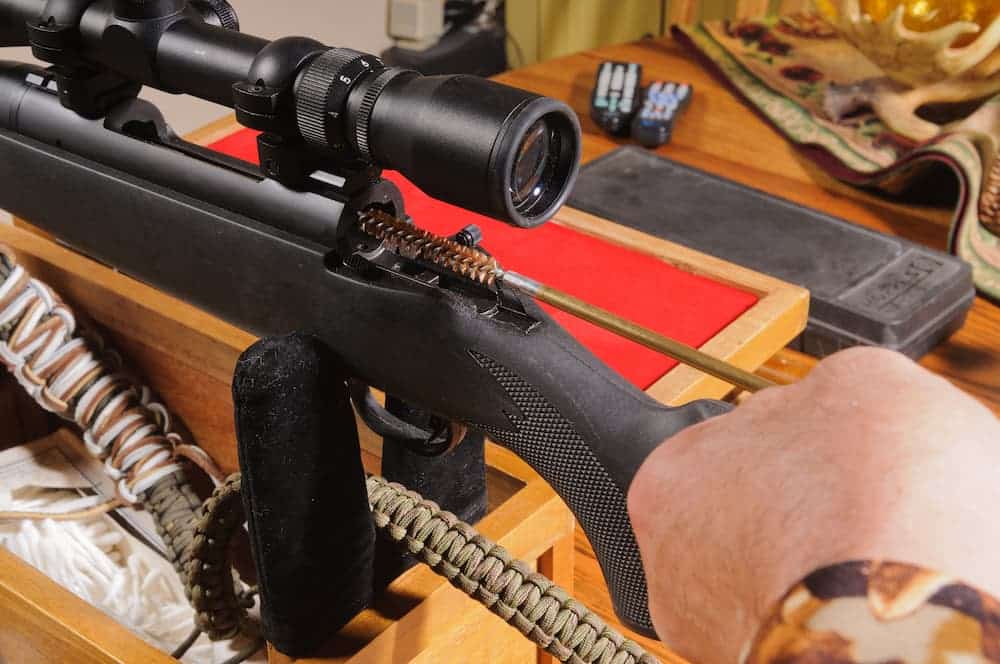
[(525, 599), (173, 505), (220, 610)]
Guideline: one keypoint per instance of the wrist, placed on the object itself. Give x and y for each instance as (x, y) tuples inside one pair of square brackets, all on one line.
[(878, 611)]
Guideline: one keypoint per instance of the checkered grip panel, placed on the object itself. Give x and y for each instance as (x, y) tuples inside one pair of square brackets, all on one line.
[(548, 442)]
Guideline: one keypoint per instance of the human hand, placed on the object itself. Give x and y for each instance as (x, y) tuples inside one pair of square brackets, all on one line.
[(869, 457)]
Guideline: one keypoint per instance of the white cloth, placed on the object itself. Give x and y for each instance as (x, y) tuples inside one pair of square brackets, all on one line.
[(101, 563)]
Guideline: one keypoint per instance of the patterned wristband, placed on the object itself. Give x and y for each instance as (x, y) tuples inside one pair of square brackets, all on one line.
[(874, 612)]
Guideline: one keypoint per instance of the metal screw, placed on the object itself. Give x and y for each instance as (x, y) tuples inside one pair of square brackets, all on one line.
[(470, 236)]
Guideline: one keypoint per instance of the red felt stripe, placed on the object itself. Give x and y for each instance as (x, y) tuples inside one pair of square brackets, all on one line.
[(678, 304)]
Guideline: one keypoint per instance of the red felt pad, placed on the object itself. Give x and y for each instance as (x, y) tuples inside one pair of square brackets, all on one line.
[(684, 306)]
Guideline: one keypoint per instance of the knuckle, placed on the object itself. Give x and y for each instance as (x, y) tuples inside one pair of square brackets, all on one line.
[(860, 364), (767, 399)]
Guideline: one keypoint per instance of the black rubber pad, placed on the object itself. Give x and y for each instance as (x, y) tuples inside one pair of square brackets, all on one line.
[(867, 288)]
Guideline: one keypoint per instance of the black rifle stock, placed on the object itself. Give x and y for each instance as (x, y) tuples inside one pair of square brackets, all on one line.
[(211, 232)]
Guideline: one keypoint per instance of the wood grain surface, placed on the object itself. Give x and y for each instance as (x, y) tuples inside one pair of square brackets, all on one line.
[(720, 134)]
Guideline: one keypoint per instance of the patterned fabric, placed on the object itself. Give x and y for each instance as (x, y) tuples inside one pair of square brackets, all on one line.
[(784, 66), (879, 613)]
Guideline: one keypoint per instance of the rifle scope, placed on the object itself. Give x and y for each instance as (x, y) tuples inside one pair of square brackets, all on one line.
[(487, 147)]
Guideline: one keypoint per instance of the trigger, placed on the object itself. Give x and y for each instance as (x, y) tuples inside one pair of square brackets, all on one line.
[(441, 437)]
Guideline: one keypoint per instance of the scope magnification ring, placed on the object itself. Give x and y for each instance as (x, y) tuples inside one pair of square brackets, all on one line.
[(322, 91), (364, 114)]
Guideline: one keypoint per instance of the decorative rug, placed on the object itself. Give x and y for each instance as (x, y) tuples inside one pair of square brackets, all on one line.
[(784, 67)]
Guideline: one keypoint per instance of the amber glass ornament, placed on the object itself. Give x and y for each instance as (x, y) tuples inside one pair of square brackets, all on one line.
[(931, 51), (925, 15)]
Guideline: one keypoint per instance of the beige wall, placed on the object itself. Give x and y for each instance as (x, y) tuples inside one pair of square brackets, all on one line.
[(358, 24), (546, 29)]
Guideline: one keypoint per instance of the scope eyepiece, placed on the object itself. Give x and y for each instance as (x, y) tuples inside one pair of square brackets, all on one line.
[(484, 146)]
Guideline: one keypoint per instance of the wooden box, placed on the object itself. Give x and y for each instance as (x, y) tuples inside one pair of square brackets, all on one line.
[(188, 357)]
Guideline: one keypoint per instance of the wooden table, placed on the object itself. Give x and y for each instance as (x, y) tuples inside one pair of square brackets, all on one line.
[(720, 134)]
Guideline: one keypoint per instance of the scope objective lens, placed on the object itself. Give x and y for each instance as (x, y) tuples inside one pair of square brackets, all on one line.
[(487, 147), (532, 165)]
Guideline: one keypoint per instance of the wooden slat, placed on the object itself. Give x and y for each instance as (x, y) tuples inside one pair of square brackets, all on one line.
[(558, 563), (212, 132), (777, 318), (787, 367)]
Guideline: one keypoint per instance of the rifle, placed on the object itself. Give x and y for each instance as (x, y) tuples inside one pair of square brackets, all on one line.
[(315, 240)]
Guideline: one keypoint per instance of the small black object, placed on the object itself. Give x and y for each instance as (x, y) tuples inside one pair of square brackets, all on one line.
[(470, 236), (304, 493), (616, 96), (662, 103), (867, 288), (469, 49), (92, 94)]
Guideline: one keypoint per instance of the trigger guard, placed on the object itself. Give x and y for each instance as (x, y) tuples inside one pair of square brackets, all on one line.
[(429, 443)]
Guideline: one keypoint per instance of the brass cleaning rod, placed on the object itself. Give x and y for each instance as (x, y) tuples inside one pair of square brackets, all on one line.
[(406, 239), (626, 328)]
